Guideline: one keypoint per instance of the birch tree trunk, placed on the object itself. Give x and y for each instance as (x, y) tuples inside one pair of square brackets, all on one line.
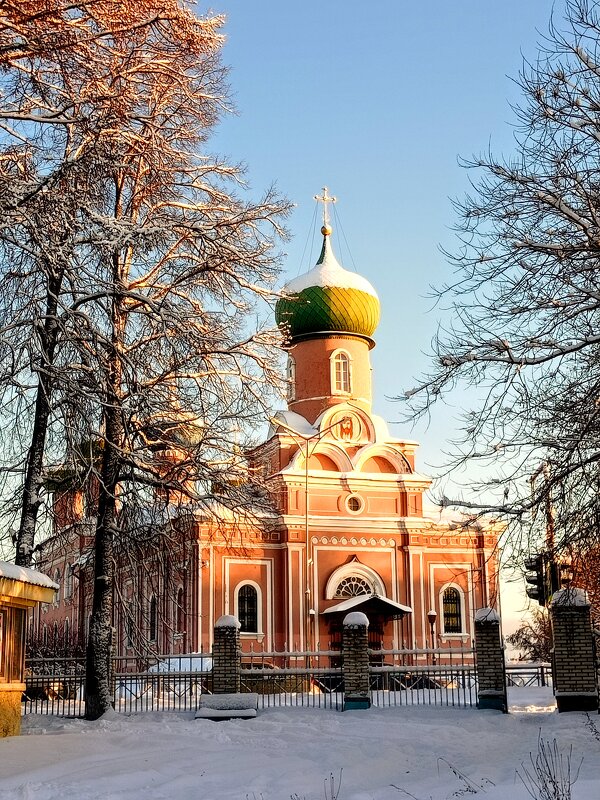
[(33, 483), (98, 693)]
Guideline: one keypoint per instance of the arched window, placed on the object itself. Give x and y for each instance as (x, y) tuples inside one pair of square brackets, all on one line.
[(180, 612), (341, 377), (57, 595), (452, 611), (247, 608), (291, 379), (152, 616), (68, 581), (353, 586), (354, 579)]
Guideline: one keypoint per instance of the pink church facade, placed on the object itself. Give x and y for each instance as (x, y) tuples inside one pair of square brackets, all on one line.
[(347, 528)]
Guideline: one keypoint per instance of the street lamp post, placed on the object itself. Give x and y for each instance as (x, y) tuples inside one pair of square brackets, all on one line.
[(431, 617), (307, 453)]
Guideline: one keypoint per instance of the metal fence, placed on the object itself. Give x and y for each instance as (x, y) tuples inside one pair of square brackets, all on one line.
[(163, 683), (423, 677), (294, 679), (529, 674), (54, 686), (175, 683), (307, 679)]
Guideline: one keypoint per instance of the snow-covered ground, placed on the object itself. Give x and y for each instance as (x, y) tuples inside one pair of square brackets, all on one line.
[(382, 754)]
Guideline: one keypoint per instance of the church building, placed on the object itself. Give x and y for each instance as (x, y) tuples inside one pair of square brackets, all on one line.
[(348, 530)]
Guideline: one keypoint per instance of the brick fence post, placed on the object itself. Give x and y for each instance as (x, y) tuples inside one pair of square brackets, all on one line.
[(355, 664), (489, 651), (573, 656), (226, 655)]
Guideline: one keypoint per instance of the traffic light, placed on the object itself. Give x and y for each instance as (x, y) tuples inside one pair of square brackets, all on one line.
[(553, 575), (536, 577)]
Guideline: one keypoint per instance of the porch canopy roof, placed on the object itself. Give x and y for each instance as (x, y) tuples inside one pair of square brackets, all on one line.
[(370, 603)]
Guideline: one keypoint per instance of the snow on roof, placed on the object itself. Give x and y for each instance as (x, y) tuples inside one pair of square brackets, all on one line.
[(293, 423), (25, 575), (353, 602), (211, 507), (328, 272)]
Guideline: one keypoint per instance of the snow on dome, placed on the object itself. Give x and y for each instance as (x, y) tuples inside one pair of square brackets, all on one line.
[(355, 618), (328, 298), (26, 575), (486, 615), (329, 272), (570, 597)]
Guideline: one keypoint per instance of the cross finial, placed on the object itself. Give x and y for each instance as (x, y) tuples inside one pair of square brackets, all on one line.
[(325, 198)]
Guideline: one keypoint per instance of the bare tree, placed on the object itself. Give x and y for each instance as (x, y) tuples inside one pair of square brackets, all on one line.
[(158, 366), (533, 638), (57, 109), (524, 301)]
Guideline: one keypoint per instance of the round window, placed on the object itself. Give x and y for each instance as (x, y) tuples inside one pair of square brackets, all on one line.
[(354, 503)]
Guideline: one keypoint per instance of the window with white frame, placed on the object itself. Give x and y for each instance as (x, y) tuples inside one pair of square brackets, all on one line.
[(57, 595), (341, 373), (247, 608), (68, 581), (291, 379), (452, 610)]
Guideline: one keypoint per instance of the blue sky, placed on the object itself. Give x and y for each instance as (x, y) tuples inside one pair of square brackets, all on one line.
[(377, 101)]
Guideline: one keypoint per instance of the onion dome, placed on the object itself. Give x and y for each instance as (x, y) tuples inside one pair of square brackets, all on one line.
[(328, 298)]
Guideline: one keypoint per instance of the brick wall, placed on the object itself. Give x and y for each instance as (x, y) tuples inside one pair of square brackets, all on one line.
[(489, 651), (573, 658), (226, 656), (356, 661)]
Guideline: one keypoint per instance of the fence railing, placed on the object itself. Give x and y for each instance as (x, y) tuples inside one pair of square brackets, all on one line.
[(294, 678), (313, 679), (423, 677), (175, 683), (54, 686), (529, 674)]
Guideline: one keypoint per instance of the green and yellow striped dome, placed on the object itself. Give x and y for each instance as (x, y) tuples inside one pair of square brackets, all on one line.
[(328, 298)]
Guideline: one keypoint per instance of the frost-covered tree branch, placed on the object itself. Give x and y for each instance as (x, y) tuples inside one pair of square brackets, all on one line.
[(524, 300), (130, 268)]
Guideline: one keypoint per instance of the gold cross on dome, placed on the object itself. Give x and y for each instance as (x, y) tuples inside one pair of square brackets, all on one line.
[(325, 198)]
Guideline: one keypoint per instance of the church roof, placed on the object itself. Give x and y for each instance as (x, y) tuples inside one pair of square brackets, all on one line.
[(372, 602), (328, 298)]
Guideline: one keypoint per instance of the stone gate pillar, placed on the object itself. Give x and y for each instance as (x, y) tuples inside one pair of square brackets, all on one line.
[(573, 656), (226, 655), (356, 661), (489, 650)]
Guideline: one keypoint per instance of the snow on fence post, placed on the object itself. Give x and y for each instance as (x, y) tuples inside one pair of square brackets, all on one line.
[(491, 672), (573, 657), (356, 661), (226, 655)]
